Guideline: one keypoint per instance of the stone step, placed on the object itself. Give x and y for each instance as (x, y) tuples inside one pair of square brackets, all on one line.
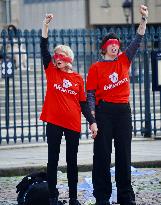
[(25, 93), (25, 103), (40, 131), (39, 103), (24, 85), (26, 122), (25, 114), (18, 116), (25, 98), (39, 78), (24, 108), (32, 122), (33, 128)]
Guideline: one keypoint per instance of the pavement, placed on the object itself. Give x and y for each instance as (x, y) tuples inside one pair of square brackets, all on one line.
[(21, 159)]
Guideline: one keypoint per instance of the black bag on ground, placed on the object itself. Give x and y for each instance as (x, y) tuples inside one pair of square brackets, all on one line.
[(33, 190)]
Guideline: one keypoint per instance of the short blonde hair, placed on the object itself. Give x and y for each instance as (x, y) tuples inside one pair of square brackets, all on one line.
[(68, 51)]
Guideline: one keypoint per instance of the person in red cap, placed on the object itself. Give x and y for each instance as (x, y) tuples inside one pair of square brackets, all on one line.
[(108, 91), (64, 101)]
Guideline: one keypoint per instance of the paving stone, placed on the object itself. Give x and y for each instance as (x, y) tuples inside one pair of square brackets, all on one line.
[(146, 186)]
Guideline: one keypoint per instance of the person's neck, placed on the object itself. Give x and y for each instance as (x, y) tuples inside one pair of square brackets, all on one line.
[(109, 58), (66, 69)]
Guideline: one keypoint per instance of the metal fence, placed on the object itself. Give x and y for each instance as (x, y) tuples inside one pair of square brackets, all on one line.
[(23, 84)]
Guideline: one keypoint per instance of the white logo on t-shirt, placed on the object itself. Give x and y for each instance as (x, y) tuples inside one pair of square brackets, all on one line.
[(114, 77), (115, 81), (64, 88), (66, 83)]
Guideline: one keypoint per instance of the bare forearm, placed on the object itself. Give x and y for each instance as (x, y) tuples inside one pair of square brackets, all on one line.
[(44, 41), (46, 22), (44, 30), (142, 26)]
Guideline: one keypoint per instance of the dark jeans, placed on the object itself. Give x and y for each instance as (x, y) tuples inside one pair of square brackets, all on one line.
[(54, 135), (114, 122)]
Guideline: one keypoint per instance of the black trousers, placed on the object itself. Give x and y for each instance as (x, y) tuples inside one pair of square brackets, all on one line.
[(54, 135), (114, 122)]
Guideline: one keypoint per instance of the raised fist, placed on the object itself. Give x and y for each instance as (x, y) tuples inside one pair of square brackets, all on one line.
[(144, 11), (48, 18)]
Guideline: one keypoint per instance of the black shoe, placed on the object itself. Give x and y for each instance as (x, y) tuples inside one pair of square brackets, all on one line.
[(74, 202), (54, 201), (102, 202), (128, 203)]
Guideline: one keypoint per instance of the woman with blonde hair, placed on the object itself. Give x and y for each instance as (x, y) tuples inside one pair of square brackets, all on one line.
[(64, 101)]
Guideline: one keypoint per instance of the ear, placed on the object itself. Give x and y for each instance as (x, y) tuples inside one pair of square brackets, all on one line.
[(102, 52)]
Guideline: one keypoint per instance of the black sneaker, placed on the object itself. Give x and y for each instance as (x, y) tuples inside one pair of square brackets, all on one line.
[(74, 202), (102, 202), (128, 203), (55, 201)]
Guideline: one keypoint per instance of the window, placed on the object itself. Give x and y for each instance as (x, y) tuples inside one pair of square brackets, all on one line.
[(40, 1)]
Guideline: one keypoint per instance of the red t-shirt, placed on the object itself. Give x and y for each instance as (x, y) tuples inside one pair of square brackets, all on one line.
[(64, 92), (110, 80)]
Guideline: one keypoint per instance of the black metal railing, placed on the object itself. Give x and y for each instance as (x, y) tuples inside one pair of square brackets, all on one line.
[(22, 89)]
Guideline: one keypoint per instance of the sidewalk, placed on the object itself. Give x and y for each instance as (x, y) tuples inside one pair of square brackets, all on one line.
[(25, 158)]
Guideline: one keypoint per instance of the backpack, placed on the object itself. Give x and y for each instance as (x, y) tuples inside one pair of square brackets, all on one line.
[(33, 190)]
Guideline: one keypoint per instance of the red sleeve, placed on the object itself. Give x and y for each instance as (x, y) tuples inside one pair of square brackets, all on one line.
[(50, 71), (82, 96), (50, 67), (92, 78), (125, 59)]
